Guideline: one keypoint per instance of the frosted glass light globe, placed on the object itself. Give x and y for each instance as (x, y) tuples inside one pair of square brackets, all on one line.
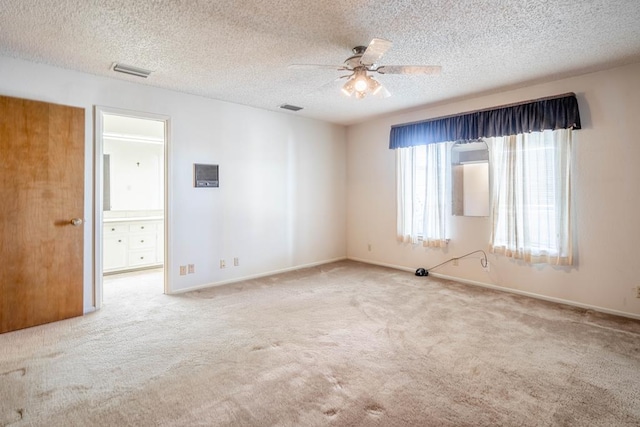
[(361, 85)]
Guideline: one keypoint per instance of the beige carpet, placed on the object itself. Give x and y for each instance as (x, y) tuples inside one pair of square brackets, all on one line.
[(343, 344)]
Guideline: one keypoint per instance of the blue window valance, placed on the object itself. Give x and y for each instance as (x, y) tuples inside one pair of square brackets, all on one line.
[(557, 112)]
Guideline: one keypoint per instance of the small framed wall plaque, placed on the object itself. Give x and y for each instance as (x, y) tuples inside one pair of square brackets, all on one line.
[(205, 176)]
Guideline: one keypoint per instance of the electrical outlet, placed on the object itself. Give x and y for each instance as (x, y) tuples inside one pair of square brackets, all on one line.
[(638, 291), (487, 267), (222, 264), (183, 270), (369, 247), (455, 262), (236, 261), (192, 268)]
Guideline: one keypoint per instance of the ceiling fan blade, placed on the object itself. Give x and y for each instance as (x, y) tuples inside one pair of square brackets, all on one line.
[(375, 50), (433, 70), (333, 85), (316, 67)]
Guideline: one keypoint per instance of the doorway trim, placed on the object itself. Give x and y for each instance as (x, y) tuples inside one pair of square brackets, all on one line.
[(98, 169)]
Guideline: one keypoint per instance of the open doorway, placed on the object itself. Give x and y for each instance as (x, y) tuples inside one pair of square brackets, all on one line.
[(131, 200)]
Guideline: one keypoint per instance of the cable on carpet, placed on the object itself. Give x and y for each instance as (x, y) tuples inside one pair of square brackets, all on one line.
[(483, 262)]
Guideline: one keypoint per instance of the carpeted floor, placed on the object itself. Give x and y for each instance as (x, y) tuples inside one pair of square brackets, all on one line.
[(343, 344)]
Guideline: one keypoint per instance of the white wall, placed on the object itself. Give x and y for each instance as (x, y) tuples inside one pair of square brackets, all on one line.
[(282, 196), (606, 161), (136, 175)]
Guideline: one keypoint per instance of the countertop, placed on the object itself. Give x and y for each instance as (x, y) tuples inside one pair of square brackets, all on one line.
[(132, 219)]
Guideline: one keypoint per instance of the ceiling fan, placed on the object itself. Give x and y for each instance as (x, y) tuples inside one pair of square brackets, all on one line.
[(364, 61)]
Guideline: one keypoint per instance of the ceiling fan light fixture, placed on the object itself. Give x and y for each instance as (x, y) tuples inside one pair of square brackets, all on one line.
[(361, 84), (348, 87), (364, 61), (374, 85)]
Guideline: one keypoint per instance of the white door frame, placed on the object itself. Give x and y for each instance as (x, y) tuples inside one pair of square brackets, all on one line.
[(98, 168)]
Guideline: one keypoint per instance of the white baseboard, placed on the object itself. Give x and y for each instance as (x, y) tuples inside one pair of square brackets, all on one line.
[(383, 264), (505, 289), (257, 276)]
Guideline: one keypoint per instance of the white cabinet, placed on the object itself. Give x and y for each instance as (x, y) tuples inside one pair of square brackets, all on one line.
[(115, 253), (132, 244)]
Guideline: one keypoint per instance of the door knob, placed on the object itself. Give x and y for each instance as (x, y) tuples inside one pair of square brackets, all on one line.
[(76, 221)]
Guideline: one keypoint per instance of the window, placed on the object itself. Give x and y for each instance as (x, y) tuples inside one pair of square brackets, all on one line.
[(530, 171), (531, 196), (423, 194)]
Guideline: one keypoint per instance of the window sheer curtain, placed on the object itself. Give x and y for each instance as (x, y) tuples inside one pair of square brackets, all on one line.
[(531, 175), (423, 188)]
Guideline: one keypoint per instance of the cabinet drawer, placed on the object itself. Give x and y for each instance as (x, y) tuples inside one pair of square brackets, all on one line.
[(142, 241), (142, 257), (115, 229), (115, 252), (132, 244), (143, 227)]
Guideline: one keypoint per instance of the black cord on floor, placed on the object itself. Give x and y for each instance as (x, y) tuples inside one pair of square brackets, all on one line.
[(483, 261)]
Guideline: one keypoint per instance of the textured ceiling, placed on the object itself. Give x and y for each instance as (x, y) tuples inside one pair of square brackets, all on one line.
[(239, 50)]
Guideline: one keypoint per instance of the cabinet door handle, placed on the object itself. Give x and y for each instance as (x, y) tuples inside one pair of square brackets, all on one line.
[(141, 257), (141, 241), (119, 241), (142, 227), (113, 229)]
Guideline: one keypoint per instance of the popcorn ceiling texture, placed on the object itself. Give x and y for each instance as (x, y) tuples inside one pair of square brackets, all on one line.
[(238, 51)]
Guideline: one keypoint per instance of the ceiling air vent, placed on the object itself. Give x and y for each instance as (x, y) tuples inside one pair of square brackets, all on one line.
[(134, 71), (290, 107)]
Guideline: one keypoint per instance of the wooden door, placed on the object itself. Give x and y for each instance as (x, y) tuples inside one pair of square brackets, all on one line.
[(41, 191)]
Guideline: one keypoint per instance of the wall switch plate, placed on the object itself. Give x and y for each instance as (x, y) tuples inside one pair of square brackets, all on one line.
[(183, 270), (192, 268), (222, 264), (236, 261)]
